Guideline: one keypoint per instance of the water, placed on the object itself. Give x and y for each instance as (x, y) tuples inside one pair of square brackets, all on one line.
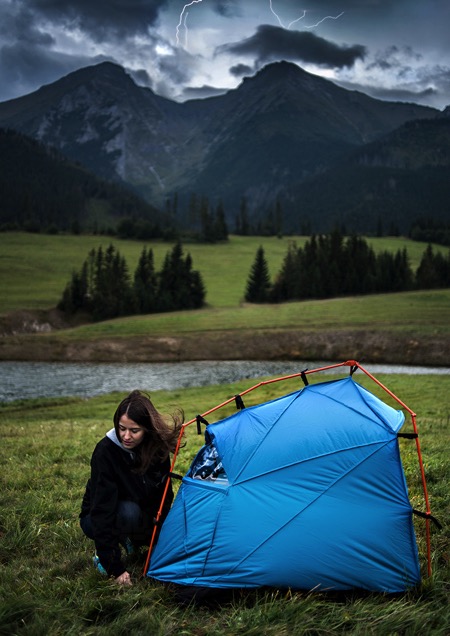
[(24, 380)]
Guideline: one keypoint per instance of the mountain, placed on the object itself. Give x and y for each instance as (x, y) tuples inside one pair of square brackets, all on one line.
[(385, 185), (260, 141), (42, 190)]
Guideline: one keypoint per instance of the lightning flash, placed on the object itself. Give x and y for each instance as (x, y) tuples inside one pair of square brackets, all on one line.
[(183, 17), (184, 14), (307, 26)]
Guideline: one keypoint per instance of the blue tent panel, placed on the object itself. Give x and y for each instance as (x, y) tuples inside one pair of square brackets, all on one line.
[(315, 498)]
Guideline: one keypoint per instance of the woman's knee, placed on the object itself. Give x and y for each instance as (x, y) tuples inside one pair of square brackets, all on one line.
[(129, 514)]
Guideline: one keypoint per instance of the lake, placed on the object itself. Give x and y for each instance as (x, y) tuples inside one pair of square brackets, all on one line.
[(24, 380)]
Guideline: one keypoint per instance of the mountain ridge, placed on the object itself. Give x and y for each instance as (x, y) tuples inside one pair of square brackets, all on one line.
[(260, 141)]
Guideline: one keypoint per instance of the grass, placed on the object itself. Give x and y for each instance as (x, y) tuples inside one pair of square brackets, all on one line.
[(426, 311), (49, 587), (34, 268)]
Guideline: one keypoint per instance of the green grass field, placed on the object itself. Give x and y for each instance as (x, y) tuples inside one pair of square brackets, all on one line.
[(49, 587), (34, 268)]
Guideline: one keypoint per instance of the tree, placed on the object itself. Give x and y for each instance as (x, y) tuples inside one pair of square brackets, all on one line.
[(242, 223), (145, 283), (288, 279), (220, 224), (179, 286), (103, 288), (433, 270), (258, 284)]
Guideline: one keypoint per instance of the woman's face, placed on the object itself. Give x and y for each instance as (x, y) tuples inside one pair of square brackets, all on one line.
[(131, 434)]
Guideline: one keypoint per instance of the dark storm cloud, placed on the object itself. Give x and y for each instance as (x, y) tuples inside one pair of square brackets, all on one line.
[(273, 43), (202, 91), (101, 19), (141, 77), (239, 70), (394, 57), (393, 94), (228, 8), (19, 63), (21, 27)]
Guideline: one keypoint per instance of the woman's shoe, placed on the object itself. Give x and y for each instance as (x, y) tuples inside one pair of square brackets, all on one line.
[(98, 565)]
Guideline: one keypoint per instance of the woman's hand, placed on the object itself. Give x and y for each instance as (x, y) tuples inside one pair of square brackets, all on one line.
[(124, 579)]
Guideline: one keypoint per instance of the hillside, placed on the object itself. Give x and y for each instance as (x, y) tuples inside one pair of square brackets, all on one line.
[(385, 185), (405, 328), (41, 190)]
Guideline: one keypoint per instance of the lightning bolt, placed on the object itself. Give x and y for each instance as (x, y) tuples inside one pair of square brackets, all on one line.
[(183, 16), (327, 17), (309, 26), (276, 14)]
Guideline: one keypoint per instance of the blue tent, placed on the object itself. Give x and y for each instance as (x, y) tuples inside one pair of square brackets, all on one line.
[(306, 491)]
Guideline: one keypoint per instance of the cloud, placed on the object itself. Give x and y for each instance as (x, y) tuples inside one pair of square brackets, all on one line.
[(23, 68), (399, 73), (141, 77), (202, 91), (239, 70), (101, 19), (271, 43), (228, 8), (394, 94)]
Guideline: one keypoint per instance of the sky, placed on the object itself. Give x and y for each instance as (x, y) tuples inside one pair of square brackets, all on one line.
[(395, 50)]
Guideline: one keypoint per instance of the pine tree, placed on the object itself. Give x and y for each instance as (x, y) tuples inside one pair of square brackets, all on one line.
[(433, 270), (286, 286), (145, 283), (258, 284), (179, 286), (220, 224)]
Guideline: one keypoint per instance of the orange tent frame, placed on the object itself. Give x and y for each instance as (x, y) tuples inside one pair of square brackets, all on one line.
[(353, 367)]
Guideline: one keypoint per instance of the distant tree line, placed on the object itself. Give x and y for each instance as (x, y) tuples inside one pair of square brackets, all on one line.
[(330, 265), (268, 224), (430, 230), (104, 289)]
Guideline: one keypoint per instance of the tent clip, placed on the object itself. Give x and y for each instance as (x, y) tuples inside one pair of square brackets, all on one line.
[(428, 515), (408, 435), (200, 420), (303, 377), (239, 402), (175, 476)]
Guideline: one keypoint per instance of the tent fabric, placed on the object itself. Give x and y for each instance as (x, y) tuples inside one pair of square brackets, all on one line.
[(314, 498)]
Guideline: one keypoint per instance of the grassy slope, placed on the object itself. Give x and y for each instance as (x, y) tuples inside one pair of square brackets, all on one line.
[(425, 311), (34, 269), (49, 587), (409, 327)]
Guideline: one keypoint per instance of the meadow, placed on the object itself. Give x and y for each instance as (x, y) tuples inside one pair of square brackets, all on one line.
[(34, 268), (49, 587)]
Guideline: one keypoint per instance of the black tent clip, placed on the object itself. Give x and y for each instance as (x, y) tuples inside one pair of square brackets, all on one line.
[(239, 402), (200, 420), (428, 515), (303, 377)]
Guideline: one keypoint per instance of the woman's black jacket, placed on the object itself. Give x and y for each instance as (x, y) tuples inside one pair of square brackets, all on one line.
[(113, 480)]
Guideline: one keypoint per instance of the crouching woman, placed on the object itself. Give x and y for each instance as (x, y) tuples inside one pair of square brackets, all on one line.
[(129, 468)]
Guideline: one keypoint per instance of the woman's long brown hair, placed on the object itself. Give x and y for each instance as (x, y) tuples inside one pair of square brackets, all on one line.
[(160, 437)]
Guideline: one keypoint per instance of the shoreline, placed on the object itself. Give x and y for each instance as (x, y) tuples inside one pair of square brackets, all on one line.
[(385, 347)]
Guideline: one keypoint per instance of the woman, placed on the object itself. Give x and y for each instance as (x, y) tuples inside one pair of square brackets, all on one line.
[(129, 467)]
